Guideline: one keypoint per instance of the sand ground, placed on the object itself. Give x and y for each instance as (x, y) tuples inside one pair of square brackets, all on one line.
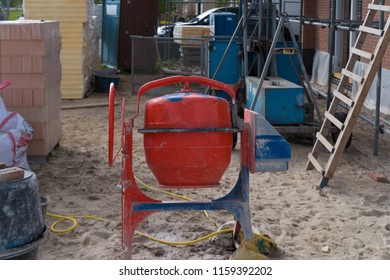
[(349, 220)]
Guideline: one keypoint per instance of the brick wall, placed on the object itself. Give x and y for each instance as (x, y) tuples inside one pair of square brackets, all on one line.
[(370, 42), (317, 37)]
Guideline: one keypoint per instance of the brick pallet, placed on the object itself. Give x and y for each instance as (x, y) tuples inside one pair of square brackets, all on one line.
[(30, 59)]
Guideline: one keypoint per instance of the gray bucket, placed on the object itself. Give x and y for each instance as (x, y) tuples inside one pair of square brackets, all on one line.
[(25, 252), (22, 225)]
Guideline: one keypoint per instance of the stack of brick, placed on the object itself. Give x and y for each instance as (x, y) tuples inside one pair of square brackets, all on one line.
[(79, 55), (30, 59)]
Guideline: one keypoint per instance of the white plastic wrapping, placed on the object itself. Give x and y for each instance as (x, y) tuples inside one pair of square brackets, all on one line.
[(15, 134)]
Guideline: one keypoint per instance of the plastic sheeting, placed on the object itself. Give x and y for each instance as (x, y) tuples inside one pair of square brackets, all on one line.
[(361, 69), (320, 71)]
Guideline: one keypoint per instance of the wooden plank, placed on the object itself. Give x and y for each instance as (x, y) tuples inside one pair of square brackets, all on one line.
[(325, 142), (10, 174), (361, 53), (352, 75), (334, 120), (370, 30), (343, 98), (315, 163)]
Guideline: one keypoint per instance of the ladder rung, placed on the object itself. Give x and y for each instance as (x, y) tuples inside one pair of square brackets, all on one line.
[(361, 53), (379, 7), (334, 120), (325, 142), (316, 164), (373, 31), (343, 98), (353, 76)]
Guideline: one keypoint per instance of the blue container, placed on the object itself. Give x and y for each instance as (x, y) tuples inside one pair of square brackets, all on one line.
[(285, 66), (103, 79), (280, 102), (229, 72), (223, 24)]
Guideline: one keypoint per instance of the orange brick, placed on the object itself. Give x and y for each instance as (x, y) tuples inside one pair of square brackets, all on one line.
[(40, 130), (5, 32), (5, 64), (27, 98), (16, 64), (15, 32), (7, 97), (26, 64), (17, 98), (39, 97), (377, 176)]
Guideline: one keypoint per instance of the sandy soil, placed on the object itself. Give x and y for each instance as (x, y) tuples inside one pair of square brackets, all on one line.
[(349, 220)]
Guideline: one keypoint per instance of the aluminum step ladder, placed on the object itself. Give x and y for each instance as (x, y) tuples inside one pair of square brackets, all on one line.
[(340, 94)]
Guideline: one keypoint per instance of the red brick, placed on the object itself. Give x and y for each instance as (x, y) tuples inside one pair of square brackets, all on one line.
[(15, 32), (39, 97), (26, 80), (40, 130), (16, 64), (5, 64), (7, 97), (38, 148), (28, 98), (5, 32), (17, 98), (25, 32), (26, 64), (377, 176)]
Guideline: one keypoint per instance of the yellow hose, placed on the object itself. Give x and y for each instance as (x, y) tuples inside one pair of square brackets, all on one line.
[(184, 243), (73, 220), (174, 195)]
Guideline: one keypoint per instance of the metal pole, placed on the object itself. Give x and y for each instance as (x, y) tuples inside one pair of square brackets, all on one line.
[(331, 50), (378, 93), (300, 21), (268, 60), (132, 65), (7, 13), (244, 36)]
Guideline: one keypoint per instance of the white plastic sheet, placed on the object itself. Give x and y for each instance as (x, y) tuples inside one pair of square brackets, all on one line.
[(15, 134)]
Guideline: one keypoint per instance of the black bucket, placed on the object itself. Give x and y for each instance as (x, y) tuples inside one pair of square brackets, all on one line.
[(20, 213), (103, 78)]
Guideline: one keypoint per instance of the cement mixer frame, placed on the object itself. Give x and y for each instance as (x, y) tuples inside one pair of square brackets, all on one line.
[(136, 205)]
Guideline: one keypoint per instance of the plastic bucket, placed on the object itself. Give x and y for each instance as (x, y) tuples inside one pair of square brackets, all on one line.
[(25, 252), (44, 203), (20, 212), (103, 78)]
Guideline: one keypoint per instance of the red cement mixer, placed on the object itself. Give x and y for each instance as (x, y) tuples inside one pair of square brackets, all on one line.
[(188, 140)]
